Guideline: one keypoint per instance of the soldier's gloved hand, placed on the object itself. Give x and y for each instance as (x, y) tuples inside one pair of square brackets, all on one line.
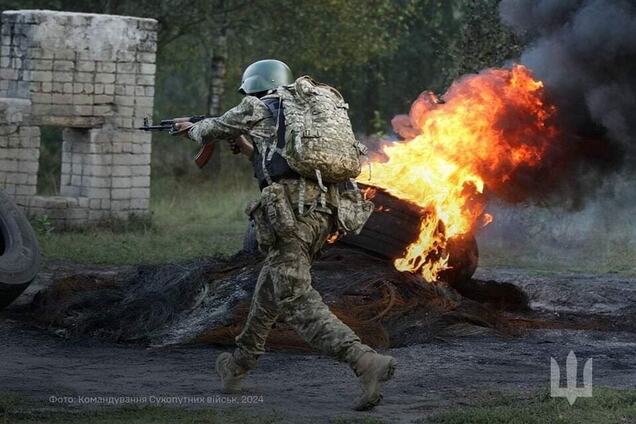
[(242, 145), (182, 128)]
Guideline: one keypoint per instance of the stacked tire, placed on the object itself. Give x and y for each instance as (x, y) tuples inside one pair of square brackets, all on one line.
[(19, 252)]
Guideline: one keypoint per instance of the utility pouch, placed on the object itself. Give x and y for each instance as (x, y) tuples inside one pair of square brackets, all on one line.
[(353, 211), (265, 236), (278, 209)]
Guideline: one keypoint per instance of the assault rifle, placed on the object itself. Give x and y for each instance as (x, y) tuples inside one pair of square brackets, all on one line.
[(206, 151)]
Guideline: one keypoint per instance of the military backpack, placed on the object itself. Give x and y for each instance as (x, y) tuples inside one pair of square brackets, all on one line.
[(319, 140)]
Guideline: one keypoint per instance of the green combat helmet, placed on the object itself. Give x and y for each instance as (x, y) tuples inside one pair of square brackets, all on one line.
[(265, 75)]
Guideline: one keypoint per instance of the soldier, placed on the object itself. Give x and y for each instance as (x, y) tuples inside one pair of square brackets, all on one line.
[(284, 290)]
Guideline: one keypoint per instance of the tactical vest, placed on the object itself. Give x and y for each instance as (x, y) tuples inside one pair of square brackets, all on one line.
[(271, 164)]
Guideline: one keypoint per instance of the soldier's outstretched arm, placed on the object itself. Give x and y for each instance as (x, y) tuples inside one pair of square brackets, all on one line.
[(232, 124)]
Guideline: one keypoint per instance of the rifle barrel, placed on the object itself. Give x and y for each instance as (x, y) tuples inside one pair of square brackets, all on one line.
[(156, 127)]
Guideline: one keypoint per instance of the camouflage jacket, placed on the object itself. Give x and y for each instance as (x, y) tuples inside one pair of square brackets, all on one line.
[(250, 117)]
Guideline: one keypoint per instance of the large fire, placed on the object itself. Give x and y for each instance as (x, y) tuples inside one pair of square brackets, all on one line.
[(479, 134)]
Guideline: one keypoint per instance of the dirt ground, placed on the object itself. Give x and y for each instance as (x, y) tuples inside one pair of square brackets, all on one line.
[(431, 377)]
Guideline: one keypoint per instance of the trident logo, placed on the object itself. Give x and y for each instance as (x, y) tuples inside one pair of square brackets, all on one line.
[(570, 391)]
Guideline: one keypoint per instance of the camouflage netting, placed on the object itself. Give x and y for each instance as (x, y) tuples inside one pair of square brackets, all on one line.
[(207, 300)]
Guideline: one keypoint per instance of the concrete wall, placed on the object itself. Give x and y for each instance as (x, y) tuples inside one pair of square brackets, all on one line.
[(94, 76)]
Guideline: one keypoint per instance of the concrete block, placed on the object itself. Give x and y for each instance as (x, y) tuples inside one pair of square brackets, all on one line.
[(83, 202), (145, 80), (62, 76), (146, 57), (41, 98), (122, 182), (144, 101), (140, 170), (125, 79), (148, 68), (65, 54), (11, 74), (83, 110), (120, 193), (122, 171), (86, 66), (43, 76), (125, 56), (62, 99), (139, 203), (119, 205), (97, 193), (104, 98), (83, 99), (42, 65), (141, 182), (105, 67), (87, 88), (127, 68), (105, 78), (63, 65), (84, 76), (103, 110)]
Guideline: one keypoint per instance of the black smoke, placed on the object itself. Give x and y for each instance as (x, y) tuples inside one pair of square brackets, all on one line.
[(585, 53)]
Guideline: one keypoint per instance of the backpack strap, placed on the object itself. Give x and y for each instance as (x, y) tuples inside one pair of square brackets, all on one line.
[(323, 189), (301, 195), (275, 107)]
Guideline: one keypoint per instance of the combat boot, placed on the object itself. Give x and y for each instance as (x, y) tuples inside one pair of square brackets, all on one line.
[(373, 369), (229, 372)]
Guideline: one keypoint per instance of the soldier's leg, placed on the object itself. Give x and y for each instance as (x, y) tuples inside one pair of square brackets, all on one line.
[(232, 367), (300, 304), (304, 310), (260, 319)]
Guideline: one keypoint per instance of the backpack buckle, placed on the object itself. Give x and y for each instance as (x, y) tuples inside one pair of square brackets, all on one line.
[(308, 133)]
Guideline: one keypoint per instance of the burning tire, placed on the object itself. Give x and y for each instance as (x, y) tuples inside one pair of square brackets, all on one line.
[(19, 252), (395, 224)]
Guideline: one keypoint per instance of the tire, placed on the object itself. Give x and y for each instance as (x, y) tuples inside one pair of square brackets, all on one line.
[(19, 252), (395, 224)]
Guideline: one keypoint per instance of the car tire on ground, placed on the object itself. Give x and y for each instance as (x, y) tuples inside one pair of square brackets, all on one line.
[(19, 252)]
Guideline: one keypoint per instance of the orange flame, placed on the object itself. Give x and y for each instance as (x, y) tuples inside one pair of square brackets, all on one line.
[(487, 127)]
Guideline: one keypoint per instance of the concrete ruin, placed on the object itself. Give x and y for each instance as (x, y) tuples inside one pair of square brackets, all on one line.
[(93, 75)]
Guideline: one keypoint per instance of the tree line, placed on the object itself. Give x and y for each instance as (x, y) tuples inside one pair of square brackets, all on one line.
[(379, 53)]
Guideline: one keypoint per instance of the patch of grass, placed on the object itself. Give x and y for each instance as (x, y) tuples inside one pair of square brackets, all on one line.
[(364, 420), (190, 217), (606, 406), (9, 402), (142, 415), (596, 256)]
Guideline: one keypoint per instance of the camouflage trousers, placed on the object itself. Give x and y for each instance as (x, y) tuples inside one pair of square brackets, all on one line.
[(284, 291)]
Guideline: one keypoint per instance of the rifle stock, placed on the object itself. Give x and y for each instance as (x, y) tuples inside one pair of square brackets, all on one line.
[(204, 155)]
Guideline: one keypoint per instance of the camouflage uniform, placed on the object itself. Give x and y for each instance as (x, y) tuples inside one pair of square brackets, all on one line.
[(284, 290)]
